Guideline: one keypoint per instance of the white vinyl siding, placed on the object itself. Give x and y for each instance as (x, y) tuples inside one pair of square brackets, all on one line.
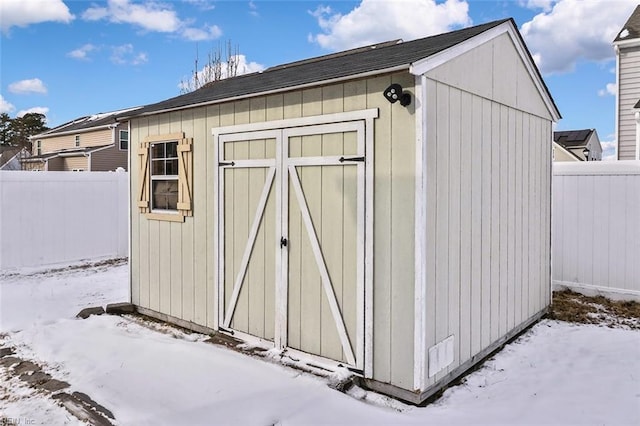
[(629, 90)]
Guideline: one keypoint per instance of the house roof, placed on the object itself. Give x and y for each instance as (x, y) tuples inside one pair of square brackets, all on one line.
[(637, 105), (68, 152), (7, 153), (370, 60), (631, 28), (86, 123), (572, 138)]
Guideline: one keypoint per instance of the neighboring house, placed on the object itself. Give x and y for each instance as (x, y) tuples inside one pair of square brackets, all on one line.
[(10, 157), (381, 209), (561, 154), (627, 48), (92, 143), (577, 145)]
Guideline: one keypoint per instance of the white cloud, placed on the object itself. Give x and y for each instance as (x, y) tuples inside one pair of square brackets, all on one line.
[(201, 4), (39, 110), (152, 16), (253, 9), (33, 85), (373, 21), (575, 30), (82, 52), (6, 106), (610, 89), (149, 16), (545, 5), (244, 67), (20, 13), (126, 55), (195, 34), (609, 149)]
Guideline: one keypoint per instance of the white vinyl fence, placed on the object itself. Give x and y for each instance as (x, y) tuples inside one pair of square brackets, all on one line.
[(51, 218), (596, 228)]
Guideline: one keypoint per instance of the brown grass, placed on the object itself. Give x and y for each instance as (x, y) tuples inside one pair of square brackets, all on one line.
[(575, 307)]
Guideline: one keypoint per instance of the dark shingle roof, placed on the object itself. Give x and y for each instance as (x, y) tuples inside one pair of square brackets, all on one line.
[(572, 138), (637, 105), (354, 62), (631, 28)]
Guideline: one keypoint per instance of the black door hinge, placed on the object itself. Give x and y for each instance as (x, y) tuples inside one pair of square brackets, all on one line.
[(227, 164), (283, 242)]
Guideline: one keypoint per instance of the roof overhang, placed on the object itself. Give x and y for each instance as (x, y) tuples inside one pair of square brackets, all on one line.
[(427, 64), (621, 44)]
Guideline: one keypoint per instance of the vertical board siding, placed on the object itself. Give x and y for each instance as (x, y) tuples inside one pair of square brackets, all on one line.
[(488, 183), (596, 227), (174, 266)]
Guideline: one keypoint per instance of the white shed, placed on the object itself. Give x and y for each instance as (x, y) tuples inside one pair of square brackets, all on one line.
[(384, 209)]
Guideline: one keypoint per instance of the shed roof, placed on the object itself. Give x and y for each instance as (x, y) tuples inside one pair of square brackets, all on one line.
[(370, 60), (572, 138), (631, 28)]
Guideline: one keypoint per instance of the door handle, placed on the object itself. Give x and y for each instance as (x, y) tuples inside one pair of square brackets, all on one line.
[(283, 242)]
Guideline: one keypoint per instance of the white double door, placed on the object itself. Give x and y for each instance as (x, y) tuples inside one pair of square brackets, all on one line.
[(291, 238)]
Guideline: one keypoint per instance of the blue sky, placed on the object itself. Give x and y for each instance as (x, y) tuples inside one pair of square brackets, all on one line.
[(70, 58)]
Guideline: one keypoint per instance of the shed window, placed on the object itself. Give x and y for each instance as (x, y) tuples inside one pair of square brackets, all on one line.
[(38, 147), (165, 177), (124, 140), (77, 140)]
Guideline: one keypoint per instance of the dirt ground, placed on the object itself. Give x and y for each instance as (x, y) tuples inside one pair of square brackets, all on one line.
[(574, 307)]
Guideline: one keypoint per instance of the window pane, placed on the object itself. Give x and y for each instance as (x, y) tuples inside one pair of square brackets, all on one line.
[(157, 150), (157, 167), (172, 167), (165, 194), (172, 150)]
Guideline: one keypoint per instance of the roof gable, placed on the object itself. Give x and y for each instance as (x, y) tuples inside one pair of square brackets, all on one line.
[(631, 29), (517, 48), (370, 60)]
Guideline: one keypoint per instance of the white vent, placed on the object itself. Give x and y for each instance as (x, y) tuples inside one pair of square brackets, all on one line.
[(440, 356)]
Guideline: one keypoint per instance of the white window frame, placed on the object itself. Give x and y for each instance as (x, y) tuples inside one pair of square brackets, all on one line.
[(155, 178), (120, 140)]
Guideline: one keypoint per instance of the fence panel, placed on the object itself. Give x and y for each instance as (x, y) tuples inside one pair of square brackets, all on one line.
[(596, 227), (61, 217)]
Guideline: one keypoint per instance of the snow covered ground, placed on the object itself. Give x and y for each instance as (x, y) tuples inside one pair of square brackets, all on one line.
[(557, 373)]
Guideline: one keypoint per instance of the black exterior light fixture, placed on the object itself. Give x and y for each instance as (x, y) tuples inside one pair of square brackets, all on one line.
[(394, 93), (585, 152)]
